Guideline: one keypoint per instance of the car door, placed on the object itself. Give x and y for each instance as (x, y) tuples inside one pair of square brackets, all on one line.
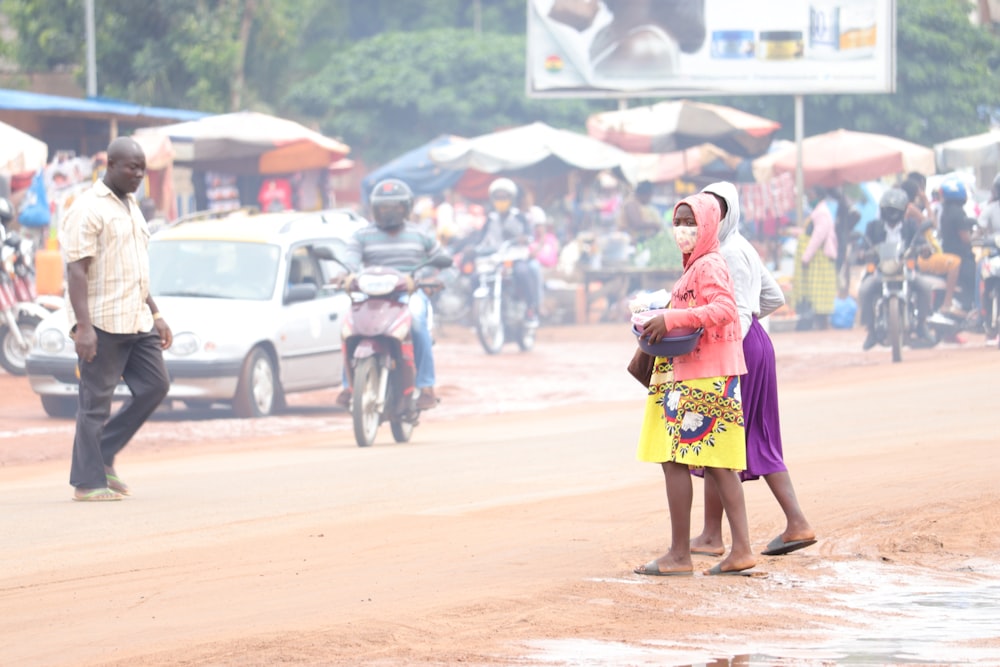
[(310, 341)]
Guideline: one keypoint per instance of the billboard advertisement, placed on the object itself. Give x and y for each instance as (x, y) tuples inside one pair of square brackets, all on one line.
[(656, 48)]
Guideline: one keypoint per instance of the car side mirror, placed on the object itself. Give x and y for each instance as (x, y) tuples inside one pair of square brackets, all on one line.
[(301, 292)]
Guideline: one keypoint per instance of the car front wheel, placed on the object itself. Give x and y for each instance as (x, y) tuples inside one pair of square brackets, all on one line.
[(257, 389)]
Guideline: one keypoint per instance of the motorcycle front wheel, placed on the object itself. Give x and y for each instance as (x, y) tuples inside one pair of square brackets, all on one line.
[(364, 402), (489, 325), (12, 355), (991, 304), (894, 327)]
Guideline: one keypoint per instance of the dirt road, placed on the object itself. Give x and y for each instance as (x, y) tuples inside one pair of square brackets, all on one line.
[(506, 532)]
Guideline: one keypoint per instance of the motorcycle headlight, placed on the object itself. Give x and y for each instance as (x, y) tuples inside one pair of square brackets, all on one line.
[(889, 267), (51, 341), (184, 344), (377, 285)]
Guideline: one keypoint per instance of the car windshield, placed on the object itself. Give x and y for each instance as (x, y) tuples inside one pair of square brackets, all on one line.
[(213, 269)]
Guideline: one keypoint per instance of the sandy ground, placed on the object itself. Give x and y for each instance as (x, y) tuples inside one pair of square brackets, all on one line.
[(506, 531)]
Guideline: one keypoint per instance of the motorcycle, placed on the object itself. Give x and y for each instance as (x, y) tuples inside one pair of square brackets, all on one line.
[(989, 269), (21, 310), (500, 313), (897, 312), (453, 302), (375, 333)]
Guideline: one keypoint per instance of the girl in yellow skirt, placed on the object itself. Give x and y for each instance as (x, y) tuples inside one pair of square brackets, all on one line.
[(694, 415)]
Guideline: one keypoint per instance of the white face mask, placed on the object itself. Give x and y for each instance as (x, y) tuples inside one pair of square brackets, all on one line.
[(686, 237)]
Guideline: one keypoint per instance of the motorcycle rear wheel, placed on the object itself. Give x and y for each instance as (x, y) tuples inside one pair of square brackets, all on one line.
[(401, 430), (12, 357), (364, 402)]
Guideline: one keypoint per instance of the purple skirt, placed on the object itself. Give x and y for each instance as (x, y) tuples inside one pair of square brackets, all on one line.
[(760, 406), (759, 391)]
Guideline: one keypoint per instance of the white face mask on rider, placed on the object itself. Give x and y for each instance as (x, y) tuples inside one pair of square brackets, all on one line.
[(686, 237)]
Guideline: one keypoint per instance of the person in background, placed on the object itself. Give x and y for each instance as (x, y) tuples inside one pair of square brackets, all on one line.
[(956, 239), (118, 331), (987, 225), (989, 218), (639, 218), (938, 262), (891, 225), (757, 295), (544, 248), (818, 259), (694, 415), (275, 195), (393, 242), (506, 223)]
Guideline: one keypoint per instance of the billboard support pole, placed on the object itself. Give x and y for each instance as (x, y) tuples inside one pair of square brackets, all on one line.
[(799, 176)]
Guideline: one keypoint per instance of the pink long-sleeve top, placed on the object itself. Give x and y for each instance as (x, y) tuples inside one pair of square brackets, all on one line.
[(824, 233), (703, 297)]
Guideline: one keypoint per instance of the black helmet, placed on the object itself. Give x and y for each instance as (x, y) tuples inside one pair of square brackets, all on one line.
[(391, 202), (893, 205), (6, 211)]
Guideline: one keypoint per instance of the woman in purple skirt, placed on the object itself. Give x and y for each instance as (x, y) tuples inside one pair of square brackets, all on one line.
[(757, 295)]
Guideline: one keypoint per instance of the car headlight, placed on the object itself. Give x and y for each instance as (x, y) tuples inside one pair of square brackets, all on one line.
[(51, 341), (184, 344)]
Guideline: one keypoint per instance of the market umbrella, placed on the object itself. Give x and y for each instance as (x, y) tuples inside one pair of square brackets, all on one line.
[(20, 152), (417, 169), (980, 150), (670, 126), (665, 167), (843, 156), (250, 142), (531, 151)]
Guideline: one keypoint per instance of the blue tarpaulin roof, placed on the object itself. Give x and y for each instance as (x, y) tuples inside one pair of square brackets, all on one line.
[(20, 100), (417, 170)]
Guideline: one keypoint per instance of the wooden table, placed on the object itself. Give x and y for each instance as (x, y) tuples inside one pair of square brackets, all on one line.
[(626, 280)]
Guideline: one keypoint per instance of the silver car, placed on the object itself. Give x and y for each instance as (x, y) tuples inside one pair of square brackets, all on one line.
[(251, 307)]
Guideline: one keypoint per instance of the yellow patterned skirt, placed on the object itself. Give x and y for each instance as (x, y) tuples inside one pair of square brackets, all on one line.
[(698, 423)]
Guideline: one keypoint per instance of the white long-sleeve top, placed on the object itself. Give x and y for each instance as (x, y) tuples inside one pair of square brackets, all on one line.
[(756, 291)]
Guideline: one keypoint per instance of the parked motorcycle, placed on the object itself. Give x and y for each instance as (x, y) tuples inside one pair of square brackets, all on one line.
[(990, 271), (20, 309), (897, 312), (500, 313), (376, 331)]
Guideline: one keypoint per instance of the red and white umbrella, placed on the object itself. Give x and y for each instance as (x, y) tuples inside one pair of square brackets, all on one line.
[(246, 141), (671, 126), (844, 156)]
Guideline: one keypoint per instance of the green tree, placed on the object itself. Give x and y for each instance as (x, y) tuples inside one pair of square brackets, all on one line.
[(395, 91)]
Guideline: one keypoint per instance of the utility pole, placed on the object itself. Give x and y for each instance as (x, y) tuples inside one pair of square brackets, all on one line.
[(91, 49)]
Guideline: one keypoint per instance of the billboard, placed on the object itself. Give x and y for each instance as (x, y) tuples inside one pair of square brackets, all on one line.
[(671, 48)]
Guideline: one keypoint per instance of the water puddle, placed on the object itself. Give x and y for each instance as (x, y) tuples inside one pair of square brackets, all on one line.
[(876, 614)]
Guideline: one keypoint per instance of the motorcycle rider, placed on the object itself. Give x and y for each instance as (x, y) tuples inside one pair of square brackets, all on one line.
[(989, 219), (936, 262), (890, 225), (956, 237), (396, 243), (506, 223), (6, 216)]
